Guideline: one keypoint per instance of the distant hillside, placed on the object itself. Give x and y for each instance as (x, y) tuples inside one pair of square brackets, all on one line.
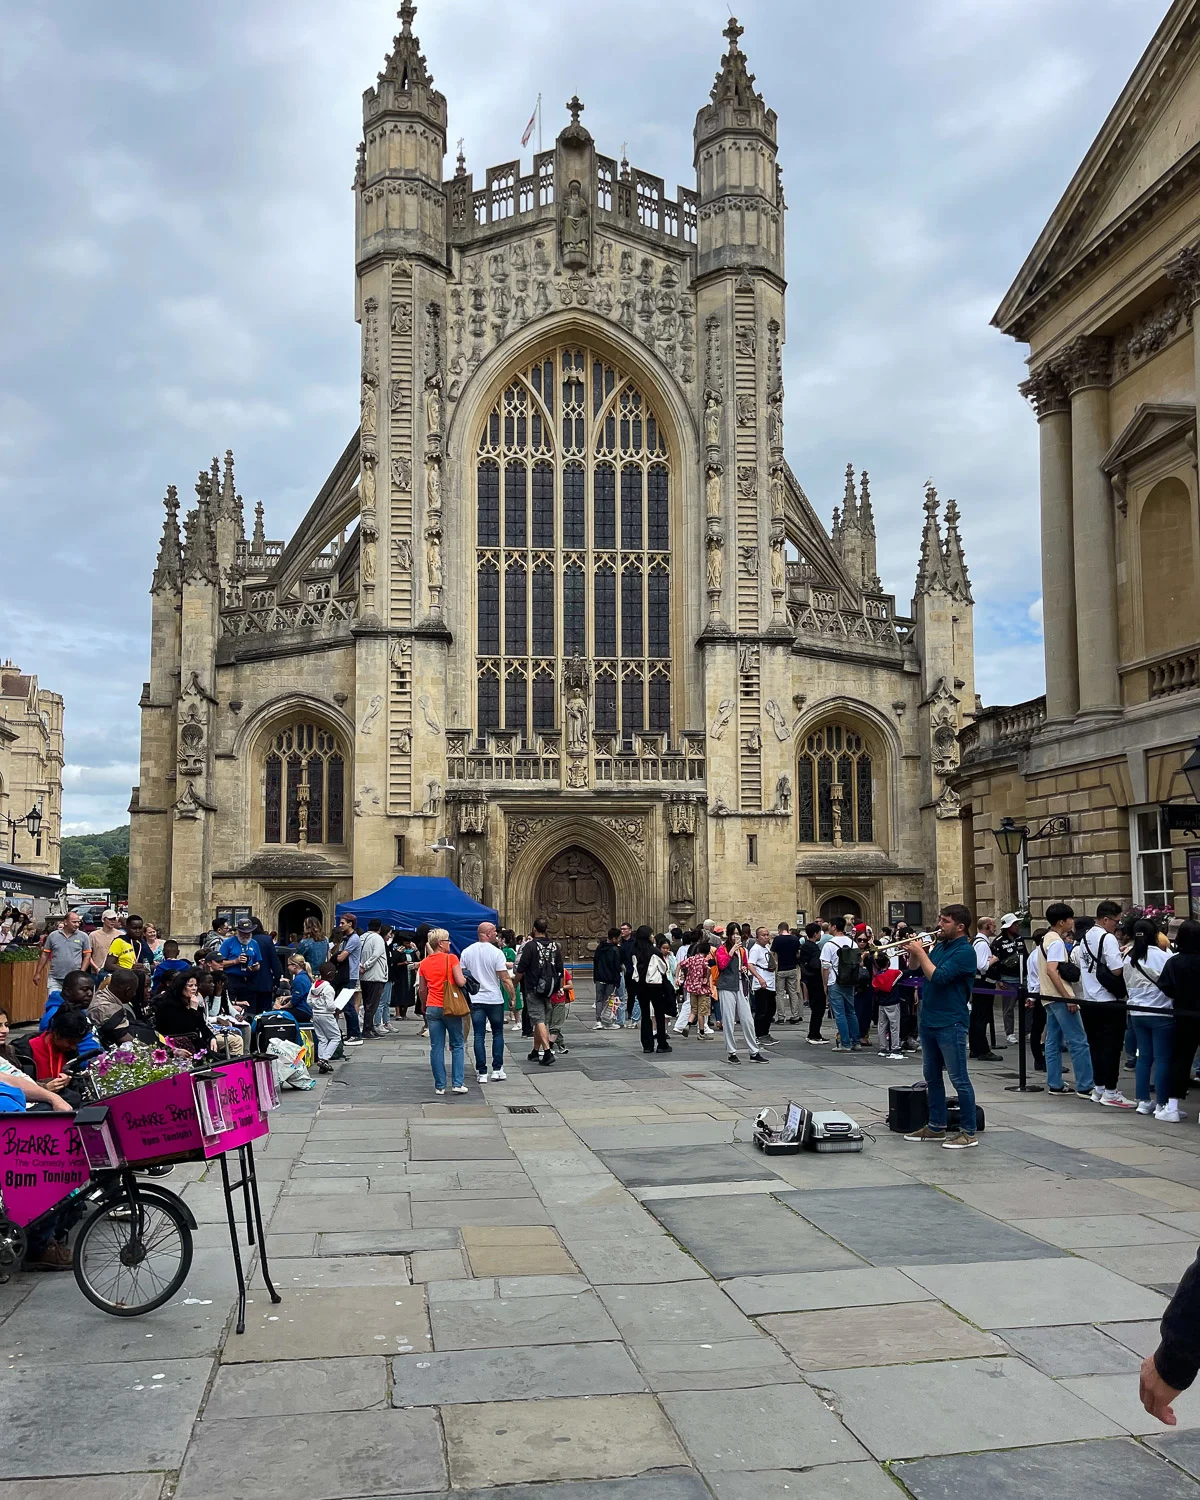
[(91, 852)]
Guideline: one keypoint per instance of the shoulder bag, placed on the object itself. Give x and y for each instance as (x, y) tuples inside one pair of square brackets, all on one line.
[(1110, 979), (454, 1002)]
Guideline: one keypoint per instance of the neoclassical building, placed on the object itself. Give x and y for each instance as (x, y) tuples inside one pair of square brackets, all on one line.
[(561, 603), (1107, 303)]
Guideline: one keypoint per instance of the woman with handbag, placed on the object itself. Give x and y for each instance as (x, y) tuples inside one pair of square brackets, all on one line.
[(1153, 1016), (440, 981), (649, 987)]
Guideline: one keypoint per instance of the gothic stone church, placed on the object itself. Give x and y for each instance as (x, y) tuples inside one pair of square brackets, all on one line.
[(561, 603)]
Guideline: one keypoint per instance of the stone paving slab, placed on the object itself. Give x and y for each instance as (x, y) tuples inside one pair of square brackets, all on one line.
[(714, 1366), (95, 1487), (55, 1326), (913, 1411), (455, 1213), (622, 1259), (853, 1481), (665, 1136), (520, 1323), (572, 1438), (334, 1215), (742, 1237), (1056, 1198), (339, 1270), (775, 1427), (1068, 1161), (675, 1313), (1072, 1349), (1182, 1448), (332, 1321), (913, 1225), (847, 1336), (655, 1168), (1114, 1466), (356, 1453), (514, 1374), (386, 1241), (1149, 1265), (441, 1145), (1096, 1231), (665, 1484), (806, 1291), (1142, 1338), (131, 1416), (1117, 1397), (532, 1260), (292, 1387), (1024, 1294)]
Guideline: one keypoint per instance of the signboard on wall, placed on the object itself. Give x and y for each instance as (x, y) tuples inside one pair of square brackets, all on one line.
[(904, 911), (1193, 877)]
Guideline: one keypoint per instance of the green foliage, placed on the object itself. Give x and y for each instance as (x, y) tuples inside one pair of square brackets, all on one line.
[(90, 852), (118, 875), (93, 878)]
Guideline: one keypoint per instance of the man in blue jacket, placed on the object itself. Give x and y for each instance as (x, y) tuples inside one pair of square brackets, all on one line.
[(949, 974)]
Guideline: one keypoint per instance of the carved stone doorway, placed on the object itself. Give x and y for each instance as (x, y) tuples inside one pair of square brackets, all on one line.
[(575, 894), (841, 906)]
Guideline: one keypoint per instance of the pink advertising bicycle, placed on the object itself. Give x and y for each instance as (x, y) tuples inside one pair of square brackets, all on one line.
[(133, 1248)]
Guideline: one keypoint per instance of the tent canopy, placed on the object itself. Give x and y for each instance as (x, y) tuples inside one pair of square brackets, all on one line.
[(408, 901)]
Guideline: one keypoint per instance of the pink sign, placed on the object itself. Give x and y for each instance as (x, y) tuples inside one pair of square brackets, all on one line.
[(230, 1113), (41, 1163), (157, 1121)]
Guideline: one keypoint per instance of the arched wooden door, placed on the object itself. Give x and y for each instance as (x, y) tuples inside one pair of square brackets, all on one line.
[(575, 895), (841, 906)]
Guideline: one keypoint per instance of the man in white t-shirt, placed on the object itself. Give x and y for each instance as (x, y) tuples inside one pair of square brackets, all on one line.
[(1062, 1007), (486, 963), (983, 1001), (1104, 1016), (762, 985), (841, 996)]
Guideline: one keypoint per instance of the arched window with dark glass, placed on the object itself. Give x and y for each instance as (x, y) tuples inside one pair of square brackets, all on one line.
[(834, 788), (573, 533), (303, 789)]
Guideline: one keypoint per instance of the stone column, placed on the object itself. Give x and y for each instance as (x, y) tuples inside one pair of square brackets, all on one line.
[(1184, 269), (1047, 392), (1089, 370)]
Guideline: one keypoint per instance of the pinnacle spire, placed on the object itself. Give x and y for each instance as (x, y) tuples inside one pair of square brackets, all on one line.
[(227, 503), (849, 500), (167, 568), (835, 531), (200, 544), (259, 545), (406, 64), (866, 516), (734, 85), (931, 570), (956, 566)]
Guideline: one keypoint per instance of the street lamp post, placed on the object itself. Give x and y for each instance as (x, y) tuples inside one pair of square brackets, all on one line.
[(1012, 837), (31, 821)]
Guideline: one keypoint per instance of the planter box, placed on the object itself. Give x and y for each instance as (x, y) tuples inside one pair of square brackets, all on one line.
[(189, 1118), (41, 1163), (21, 998)]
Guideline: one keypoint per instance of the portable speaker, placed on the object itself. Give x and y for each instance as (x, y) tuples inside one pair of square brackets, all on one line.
[(954, 1116), (908, 1108)]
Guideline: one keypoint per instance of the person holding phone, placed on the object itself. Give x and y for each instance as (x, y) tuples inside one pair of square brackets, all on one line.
[(241, 960)]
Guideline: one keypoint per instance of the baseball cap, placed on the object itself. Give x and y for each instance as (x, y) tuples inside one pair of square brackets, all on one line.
[(109, 914), (1008, 919)]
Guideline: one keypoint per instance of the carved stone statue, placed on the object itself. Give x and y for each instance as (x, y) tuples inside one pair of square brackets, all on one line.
[(775, 419), (366, 488), (402, 473), (778, 569), (470, 874), (433, 403), (370, 405), (681, 873), (723, 715), (577, 722), (368, 560), (574, 234), (433, 795), (403, 554), (433, 484), (716, 564), (402, 318), (783, 794), (712, 418), (712, 490), (433, 556), (745, 411), (778, 498)]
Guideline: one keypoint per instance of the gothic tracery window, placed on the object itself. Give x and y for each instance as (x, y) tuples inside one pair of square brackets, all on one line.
[(304, 786), (573, 535), (835, 787)]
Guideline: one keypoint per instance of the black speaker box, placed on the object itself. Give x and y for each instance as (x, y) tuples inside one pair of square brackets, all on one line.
[(908, 1108)]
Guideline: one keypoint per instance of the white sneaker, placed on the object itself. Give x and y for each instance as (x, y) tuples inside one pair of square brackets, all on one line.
[(353, 1041), (498, 1073), (883, 1052), (439, 1091), (1116, 1100), (599, 1026), (460, 1088), (708, 1031), (1011, 1040), (1098, 1094), (481, 1077), (895, 1056), (1170, 1116), (1145, 1107)]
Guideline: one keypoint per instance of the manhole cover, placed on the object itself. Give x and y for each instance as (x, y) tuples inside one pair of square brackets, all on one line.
[(521, 1109), (695, 1075)]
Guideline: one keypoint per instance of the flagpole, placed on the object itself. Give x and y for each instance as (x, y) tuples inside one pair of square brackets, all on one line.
[(539, 123)]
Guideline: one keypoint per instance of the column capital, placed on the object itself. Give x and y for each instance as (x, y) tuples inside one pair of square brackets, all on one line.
[(1046, 390), (1184, 268), (1087, 361)]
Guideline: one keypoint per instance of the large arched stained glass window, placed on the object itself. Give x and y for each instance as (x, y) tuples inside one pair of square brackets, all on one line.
[(573, 538), (305, 787), (834, 788)]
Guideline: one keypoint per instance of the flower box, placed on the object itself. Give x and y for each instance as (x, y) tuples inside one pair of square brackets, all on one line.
[(41, 1163)]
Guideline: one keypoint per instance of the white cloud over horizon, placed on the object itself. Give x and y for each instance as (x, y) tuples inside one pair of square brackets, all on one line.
[(182, 280)]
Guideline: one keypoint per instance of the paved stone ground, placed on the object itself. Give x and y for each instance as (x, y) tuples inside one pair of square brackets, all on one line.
[(613, 1296)]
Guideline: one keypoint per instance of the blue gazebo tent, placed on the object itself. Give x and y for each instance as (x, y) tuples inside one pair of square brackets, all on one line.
[(410, 900)]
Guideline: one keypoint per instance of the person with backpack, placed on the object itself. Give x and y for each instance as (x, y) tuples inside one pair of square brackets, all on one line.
[(651, 980), (983, 1000), (1009, 951), (812, 978), (1057, 975), (1153, 1017), (842, 964), (540, 970), (1104, 988)]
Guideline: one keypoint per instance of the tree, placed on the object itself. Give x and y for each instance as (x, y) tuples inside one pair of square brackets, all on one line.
[(93, 877), (118, 875)]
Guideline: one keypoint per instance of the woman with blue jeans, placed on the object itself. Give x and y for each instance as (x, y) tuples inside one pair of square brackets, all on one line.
[(1153, 1022), (432, 974)]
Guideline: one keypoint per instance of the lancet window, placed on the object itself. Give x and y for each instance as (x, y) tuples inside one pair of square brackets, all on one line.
[(834, 788), (305, 787)]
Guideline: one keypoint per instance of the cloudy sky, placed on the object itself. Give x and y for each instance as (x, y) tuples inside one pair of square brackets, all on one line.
[(177, 267)]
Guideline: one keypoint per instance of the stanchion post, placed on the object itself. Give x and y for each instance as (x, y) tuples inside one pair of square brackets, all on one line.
[(1021, 1087)]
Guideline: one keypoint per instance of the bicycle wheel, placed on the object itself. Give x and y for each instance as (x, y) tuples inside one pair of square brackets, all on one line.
[(132, 1254)]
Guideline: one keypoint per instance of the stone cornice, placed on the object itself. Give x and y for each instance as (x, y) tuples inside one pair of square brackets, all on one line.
[(1087, 361), (1046, 390)]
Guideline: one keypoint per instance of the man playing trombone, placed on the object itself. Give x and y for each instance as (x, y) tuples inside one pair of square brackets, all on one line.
[(949, 972)]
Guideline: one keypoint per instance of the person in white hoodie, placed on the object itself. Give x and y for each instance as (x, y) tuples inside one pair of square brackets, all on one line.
[(324, 1017)]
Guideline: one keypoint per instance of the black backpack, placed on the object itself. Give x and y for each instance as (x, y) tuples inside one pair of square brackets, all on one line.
[(541, 971), (1114, 983), (849, 964)]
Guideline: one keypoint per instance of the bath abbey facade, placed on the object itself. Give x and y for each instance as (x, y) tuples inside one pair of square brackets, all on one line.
[(560, 622)]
